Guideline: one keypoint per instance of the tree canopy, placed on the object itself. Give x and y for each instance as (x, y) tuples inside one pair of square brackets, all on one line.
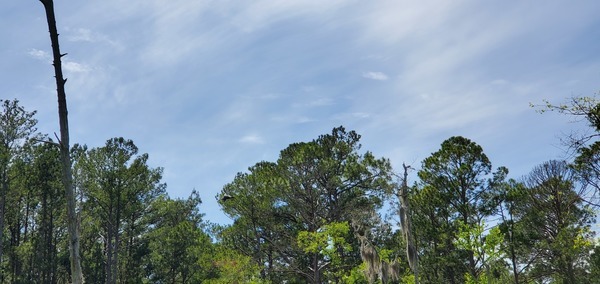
[(317, 214)]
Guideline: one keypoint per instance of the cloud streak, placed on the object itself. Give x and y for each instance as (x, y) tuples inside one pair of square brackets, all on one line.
[(251, 139), (211, 87), (378, 76)]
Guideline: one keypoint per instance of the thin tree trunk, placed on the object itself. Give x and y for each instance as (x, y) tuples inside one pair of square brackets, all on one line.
[(2, 215), (316, 271), (513, 255), (404, 212), (110, 255), (67, 175)]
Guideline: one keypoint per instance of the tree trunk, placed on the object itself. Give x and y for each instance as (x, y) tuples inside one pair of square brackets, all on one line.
[(110, 247), (405, 213), (513, 255), (2, 215), (67, 175), (316, 272)]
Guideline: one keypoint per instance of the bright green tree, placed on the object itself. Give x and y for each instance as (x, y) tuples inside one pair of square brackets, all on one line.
[(231, 266)]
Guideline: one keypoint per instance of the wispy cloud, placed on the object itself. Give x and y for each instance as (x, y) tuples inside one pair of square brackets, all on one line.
[(75, 67), (252, 139), (379, 76), (314, 102), (68, 66), (261, 74), (83, 35), (39, 54), (87, 35)]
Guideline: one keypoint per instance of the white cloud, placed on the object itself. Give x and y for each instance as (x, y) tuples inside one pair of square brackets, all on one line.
[(251, 139), (87, 35), (352, 116), (291, 67), (379, 76), (261, 14), (317, 102), (392, 22), (360, 115), (39, 54), (82, 35), (68, 66), (179, 31), (74, 67)]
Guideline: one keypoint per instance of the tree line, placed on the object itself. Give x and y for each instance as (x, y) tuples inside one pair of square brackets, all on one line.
[(312, 216), (317, 214)]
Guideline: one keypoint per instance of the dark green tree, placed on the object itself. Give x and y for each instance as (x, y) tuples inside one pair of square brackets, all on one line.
[(117, 187), (17, 127), (595, 265), (255, 203), (35, 219), (453, 191), (511, 197), (180, 251), (313, 184), (555, 216)]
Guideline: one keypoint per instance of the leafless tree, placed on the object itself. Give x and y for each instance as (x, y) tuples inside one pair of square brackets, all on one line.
[(67, 177)]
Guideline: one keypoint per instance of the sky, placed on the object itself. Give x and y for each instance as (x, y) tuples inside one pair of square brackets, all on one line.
[(209, 88)]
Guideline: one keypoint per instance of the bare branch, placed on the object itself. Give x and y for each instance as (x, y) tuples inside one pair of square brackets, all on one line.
[(47, 142)]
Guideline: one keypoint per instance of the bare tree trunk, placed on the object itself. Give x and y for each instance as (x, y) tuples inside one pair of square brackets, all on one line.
[(67, 177), (2, 216), (404, 212)]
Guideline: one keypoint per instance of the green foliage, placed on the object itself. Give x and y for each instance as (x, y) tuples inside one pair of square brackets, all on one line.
[(309, 217), (553, 217), (326, 241), (17, 130), (356, 275), (450, 204), (330, 243), (233, 267), (117, 187), (484, 246), (594, 264), (177, 244), (287, 213)]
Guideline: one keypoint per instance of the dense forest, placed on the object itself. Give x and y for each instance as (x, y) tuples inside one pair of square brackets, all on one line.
[(326, 211)]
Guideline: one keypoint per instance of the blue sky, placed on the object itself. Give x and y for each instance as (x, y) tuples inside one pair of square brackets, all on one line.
[(209, 88)]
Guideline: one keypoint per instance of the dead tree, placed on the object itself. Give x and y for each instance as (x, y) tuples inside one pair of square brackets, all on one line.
[(67, 175), (405, 222)]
